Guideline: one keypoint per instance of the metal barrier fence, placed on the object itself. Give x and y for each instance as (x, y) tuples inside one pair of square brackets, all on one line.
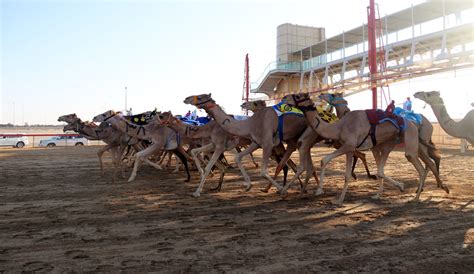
[(38, 137)]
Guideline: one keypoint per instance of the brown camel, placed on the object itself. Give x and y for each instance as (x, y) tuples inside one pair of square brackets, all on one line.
[(425, 131), (463, 129), (162, 138), (219, 141), (353, 132), (280, 154), (261, 128), (115, 141)]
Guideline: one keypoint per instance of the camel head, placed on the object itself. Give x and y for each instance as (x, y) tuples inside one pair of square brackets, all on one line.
[(301, 101), (166, 118), (430, 97), (69, 127), (69, 118), (199, 100), (105, 116), (334, 99), (254, 105)]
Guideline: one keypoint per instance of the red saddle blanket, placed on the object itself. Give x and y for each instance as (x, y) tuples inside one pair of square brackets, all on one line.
[(377, 116)]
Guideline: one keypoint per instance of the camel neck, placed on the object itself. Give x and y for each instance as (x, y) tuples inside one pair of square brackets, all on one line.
[(445, 121), (194, 132), (341, 111), (326, 130), (227, 122)]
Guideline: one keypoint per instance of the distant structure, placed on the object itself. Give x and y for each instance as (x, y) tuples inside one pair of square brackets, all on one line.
[(425, 39)]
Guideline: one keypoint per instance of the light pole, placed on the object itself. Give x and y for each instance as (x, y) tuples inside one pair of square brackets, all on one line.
[(126, 99)]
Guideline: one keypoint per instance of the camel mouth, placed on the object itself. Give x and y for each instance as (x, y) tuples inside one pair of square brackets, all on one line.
[(419, 95)]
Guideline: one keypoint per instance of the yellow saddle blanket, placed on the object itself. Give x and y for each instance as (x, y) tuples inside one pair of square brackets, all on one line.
[(326, 115)]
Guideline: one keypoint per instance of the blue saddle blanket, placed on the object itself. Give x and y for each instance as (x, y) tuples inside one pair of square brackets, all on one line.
[(409, 115), (199, 121)]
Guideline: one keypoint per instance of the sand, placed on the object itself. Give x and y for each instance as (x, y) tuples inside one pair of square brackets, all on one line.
[(58, 213)]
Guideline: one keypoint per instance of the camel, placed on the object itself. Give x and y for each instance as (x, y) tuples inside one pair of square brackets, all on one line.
[(261, 128), (115, 141), (463, 129), (280, 154), (425, 129), (254, 106), (162, 138), (219, 141), (354, 132)]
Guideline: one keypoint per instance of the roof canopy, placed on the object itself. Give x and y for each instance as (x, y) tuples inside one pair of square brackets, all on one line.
[(396, 21)]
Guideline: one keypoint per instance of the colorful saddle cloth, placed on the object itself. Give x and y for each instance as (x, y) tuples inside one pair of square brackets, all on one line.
[(142, 118), (409, 115), (199, 121), (282, 108), (325, 115), (378, 116)]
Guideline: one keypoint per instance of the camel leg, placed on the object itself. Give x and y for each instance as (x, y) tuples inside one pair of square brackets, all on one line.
[(184, 160), (360, 155), (140, 156), (215, 156), (349, 158), (303, 155), (168, 163), (267, 152), (222, 168), (162, 156), (196, 151), (426, 156), (327, 159), (253, 160), (238, 159), (309, 171), (153, 164), (100, 153), (381, 156)]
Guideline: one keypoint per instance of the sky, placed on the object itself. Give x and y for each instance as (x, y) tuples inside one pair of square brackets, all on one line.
[(77, 56)]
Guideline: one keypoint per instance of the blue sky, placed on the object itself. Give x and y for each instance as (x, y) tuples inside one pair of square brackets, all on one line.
[(59, 57)]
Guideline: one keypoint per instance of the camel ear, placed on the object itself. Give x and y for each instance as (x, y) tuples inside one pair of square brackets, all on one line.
[(209, 94)]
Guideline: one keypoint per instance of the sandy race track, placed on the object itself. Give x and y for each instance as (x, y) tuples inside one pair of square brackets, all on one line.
[(58, 213)]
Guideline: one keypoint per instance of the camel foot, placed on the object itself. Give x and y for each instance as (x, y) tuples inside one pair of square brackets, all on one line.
[(336, 202), (319, 191), (196, 194), (218, 188), (373, 177), (354, 176), (283, 192), (376, 197), (415, 200), (445, 188), (401, 186), (248, 187)]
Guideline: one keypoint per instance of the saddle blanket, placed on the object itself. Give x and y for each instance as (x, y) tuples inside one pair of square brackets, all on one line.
[(325, 115), (282, 108), (198, 122), (142, 118), (378, 116), (409, 115)]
